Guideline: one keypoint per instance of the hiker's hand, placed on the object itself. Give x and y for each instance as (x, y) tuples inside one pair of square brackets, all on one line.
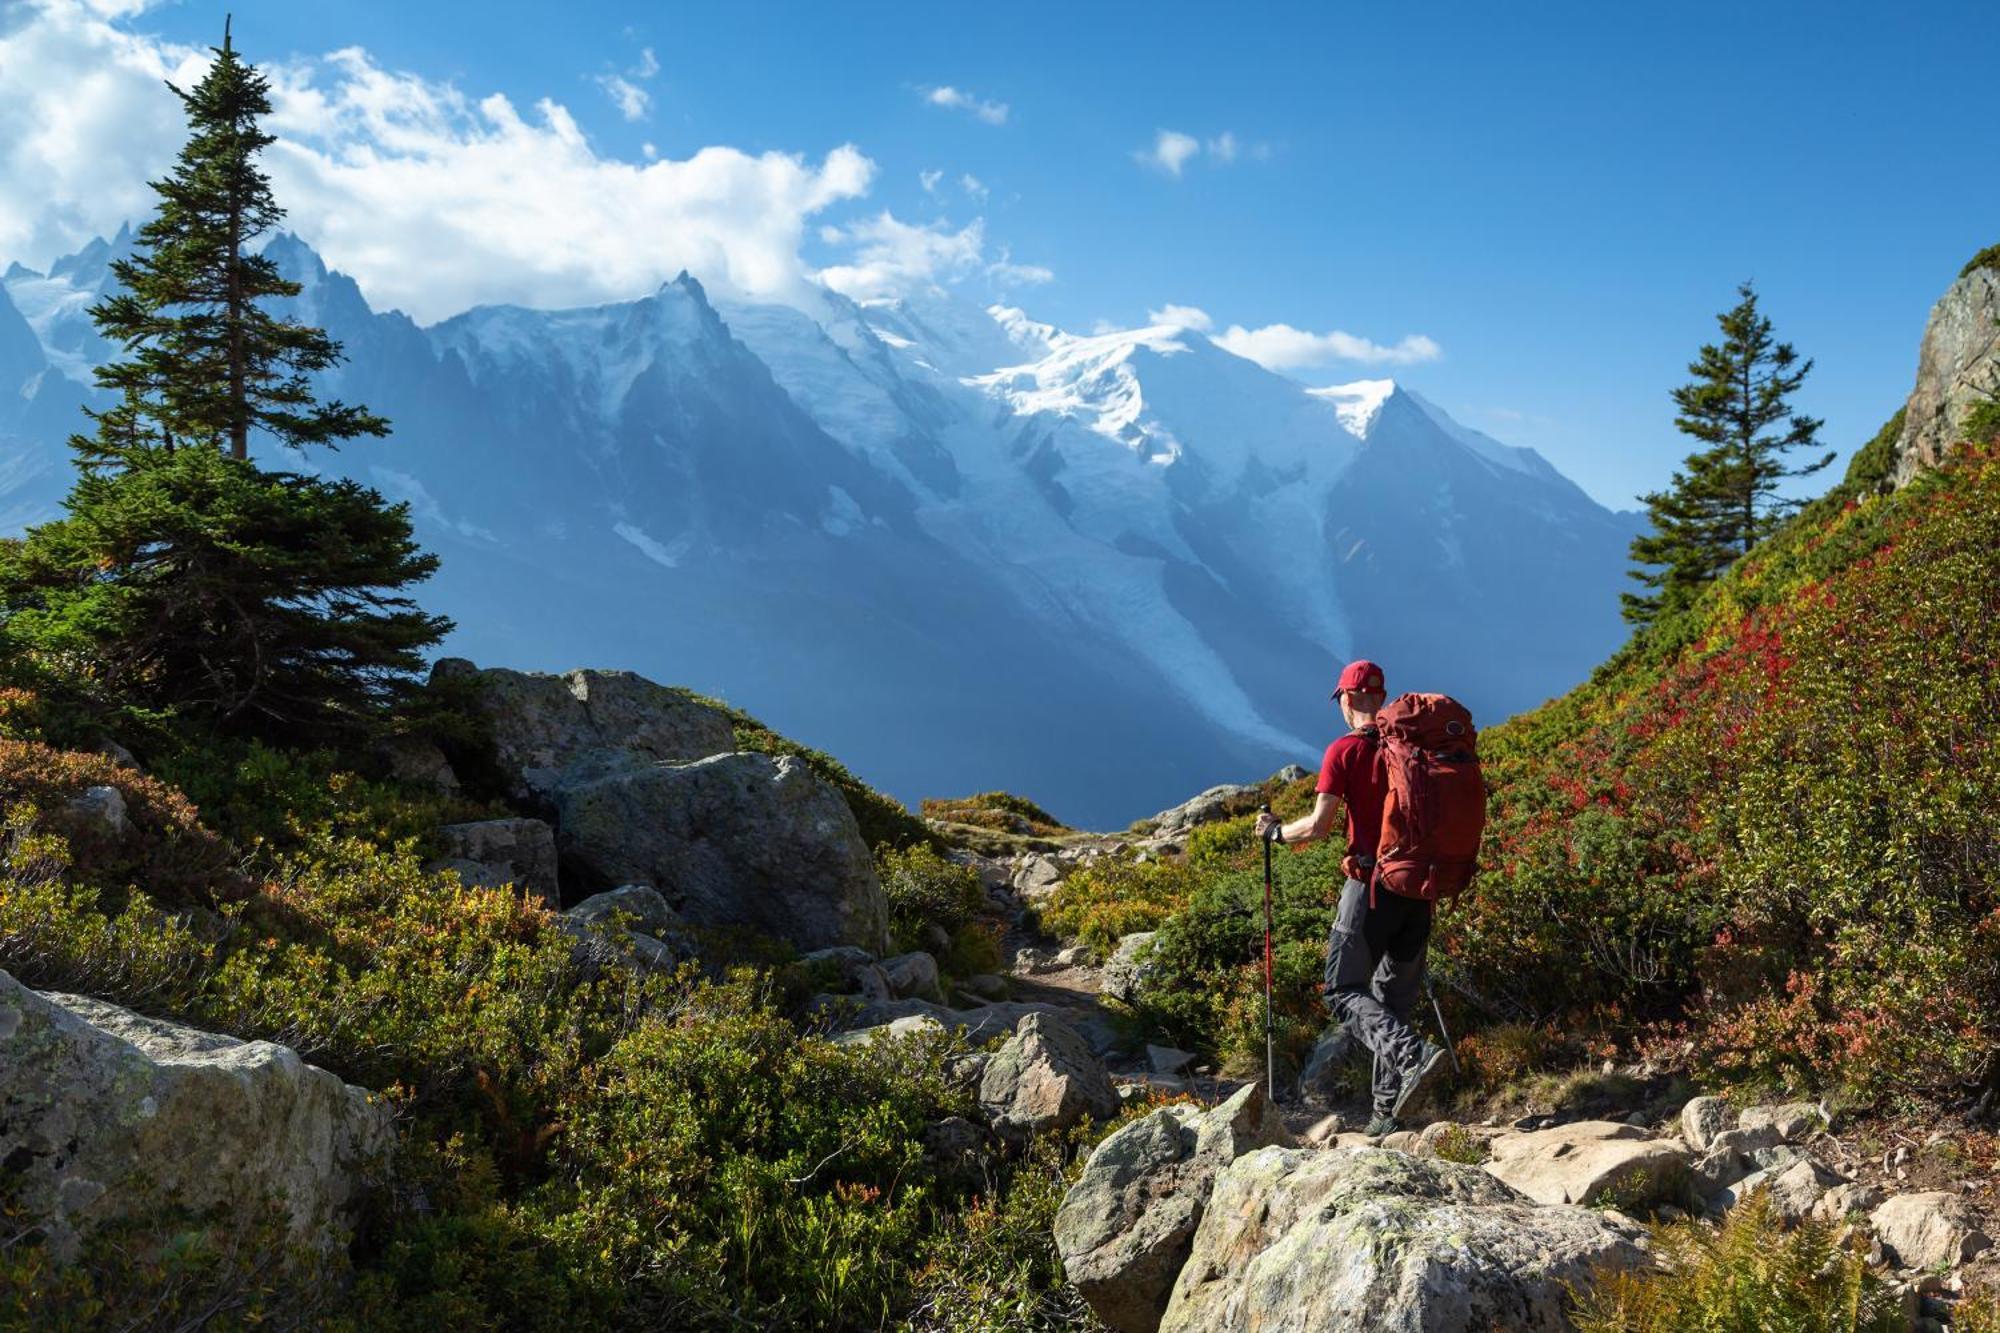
[(1265, 823)]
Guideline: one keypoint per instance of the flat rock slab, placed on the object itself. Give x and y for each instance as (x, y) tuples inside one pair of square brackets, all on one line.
[(1580, 1163)]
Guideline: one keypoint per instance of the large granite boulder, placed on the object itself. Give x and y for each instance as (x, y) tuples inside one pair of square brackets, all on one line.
[(1935, 1229), (1127, 1225), (1583, 1162), (490, 853), (543, 724), (1217, 803), (1958, 368), (734, 840), (1366, 1240), (107, 1116), (1044, 1077)]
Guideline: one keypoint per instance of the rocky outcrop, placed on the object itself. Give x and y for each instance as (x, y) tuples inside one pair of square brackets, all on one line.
[(1128, 1223), (1580, 1163), (107, 1116), (735, 840), (1217, 803), (543, 724), (490, 853), (1958, 368), (1347, 1239), (634, 916), (1044, 1077)]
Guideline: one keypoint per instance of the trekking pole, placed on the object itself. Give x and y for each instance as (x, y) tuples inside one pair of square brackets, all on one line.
[(1438, 1010), (1270, 1058)]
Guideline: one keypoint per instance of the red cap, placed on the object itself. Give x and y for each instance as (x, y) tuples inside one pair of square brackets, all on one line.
[(1363, 676)]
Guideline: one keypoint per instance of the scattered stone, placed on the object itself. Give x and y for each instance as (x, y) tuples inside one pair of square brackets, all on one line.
[(1035, 876), (1797, 1189), (1128, 969), (111, 1116), (913, 974), (1044, 1077), (1126, 1226), (655, 934), (1580, 1163), (1168, 1059), (1844, 1200), (1746, 1139), (1717, 1168), (1345, 1241), (1790, 1122), (1934, 1229), (752, 841), (494, 853), (118, 754), (987, 985)]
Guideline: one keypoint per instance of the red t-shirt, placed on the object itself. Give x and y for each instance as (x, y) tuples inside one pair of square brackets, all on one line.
[(1353, 771)]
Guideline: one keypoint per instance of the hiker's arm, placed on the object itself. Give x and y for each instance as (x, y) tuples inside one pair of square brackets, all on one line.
[(1308, 828)]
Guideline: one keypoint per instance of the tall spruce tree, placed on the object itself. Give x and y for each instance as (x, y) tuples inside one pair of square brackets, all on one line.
[(185, 580), (1724, 499)]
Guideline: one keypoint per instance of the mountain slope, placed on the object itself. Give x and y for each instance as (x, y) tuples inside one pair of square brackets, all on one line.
[(959, 546)]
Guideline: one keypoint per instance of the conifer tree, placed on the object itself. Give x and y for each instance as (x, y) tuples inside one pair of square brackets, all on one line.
[(185, 580), (1725, 500)]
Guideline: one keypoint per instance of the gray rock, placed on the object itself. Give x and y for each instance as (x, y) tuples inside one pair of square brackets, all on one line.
[(987, 986), (1347, 1240), (1935, 1229), (856, 967), (640, 906), (543, 724), (1168, 1059), (915, 1025), (1841, 1201), (988, 1021), (419, 762), (1044, 1077), (1797, 1188), (1958, 368), (1704, 1118), (913, 974), (1035, 876), (110, 1116), (1127, 1224), (1128, 969), (1790, 1122), (741, 840), (102, 809), (492, 853), (1580, 1163), (1745, 1140), (1716, 1168)]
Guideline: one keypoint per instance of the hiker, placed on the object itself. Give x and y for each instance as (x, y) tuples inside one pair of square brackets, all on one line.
[(1375, 952)]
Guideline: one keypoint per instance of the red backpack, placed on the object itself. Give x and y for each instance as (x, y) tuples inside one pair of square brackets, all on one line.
[(1436, 808)]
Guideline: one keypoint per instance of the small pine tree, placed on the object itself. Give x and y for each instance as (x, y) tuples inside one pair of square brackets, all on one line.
[(184, 579), (206, 363), (1725, 500)]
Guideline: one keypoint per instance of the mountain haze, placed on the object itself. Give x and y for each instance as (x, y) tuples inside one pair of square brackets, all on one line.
[(957, 546)]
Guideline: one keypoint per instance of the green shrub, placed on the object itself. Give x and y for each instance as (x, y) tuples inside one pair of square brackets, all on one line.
[(1750, 1274), (1000, 811), (924, 889), (1115, 896), (1987, 258)]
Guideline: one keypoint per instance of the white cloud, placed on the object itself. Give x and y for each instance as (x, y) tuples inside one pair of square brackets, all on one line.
[(1006, 273), (631, 100), (973, 186), (1183, 316), (930, 180), (993, 113), (1282, 347), (892, 257), (1170, 151), (1223, 147), (433, 199)]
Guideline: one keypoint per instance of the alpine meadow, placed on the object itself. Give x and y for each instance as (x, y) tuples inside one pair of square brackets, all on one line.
[(600, 730)]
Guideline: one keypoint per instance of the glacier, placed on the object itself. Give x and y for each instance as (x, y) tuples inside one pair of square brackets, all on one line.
[(960, 548)]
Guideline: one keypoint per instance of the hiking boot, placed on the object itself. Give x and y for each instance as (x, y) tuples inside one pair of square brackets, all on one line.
[(1331, 1055), (1382, 1124), (1419, 1076)]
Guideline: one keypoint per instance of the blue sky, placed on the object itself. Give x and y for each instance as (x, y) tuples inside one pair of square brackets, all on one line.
[(1559, 196)]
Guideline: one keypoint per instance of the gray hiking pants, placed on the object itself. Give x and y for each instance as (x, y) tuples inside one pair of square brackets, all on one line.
[(1374, 973)]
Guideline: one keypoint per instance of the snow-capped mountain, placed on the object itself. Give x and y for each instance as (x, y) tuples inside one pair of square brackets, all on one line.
[(958, 547)]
